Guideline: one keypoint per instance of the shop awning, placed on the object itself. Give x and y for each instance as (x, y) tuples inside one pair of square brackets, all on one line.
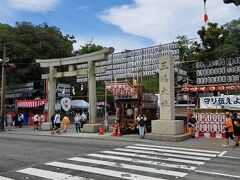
[(30, 103)]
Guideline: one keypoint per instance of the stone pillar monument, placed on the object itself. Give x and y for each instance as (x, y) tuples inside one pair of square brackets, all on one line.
[(167, 128), (92, 92), (51, 91)]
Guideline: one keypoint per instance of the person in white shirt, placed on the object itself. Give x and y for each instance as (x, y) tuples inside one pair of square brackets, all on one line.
[(77, 120), (35, 121), (83, 119), (57, 123)]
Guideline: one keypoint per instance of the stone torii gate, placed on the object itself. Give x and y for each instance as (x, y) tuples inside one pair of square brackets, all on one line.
[(71, 62)]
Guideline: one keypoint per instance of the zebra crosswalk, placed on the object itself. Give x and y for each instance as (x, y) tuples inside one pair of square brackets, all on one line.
[(136, 162)]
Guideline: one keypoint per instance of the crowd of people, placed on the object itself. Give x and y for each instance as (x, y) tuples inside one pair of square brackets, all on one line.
[(59, 123)]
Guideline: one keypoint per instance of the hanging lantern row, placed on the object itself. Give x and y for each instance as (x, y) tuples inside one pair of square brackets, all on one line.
[(211, 88)]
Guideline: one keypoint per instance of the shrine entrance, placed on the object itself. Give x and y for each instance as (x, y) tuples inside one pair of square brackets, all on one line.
[(90, 71)]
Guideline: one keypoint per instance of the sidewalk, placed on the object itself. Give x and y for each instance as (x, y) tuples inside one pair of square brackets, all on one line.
[(200, 143)]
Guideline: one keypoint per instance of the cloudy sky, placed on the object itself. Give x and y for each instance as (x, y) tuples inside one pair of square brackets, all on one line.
[(122, 24)]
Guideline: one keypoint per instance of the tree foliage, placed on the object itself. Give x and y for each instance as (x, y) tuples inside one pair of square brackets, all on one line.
[(26, 42), (215, 42), (88, 48)]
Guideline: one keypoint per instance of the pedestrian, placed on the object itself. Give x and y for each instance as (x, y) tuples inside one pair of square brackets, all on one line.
[(236, 128), (65, 123), (191, 125), (77, 120), (106, 120), (83, 119), (228, 128), (52, 120), (20, 120), (141, 119), (15, 119), (35, 121), (57, 123)]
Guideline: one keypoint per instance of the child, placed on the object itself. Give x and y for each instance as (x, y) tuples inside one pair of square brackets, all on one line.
[(65, 123)]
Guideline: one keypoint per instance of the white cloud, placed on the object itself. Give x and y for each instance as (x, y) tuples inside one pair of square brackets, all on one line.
[(119, 43), (161, 20), (33, 5)]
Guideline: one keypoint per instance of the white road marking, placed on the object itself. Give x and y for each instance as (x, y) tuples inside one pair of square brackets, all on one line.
[(135, 160), (173, 151), (101, 171), (128, 166), (154, 157), (176, 148), (4, 178), (222, 153), (163, 154), (230, 157), (219, 174), (44, 173)]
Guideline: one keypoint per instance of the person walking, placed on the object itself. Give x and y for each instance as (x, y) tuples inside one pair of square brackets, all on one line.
[(236, 128), (20, 120), (65, 123), (106, 120), (52, 120), (141, 119), (83, 119), (35, 121), (57, 123), (228, 128), (191, 125), (77, 120)]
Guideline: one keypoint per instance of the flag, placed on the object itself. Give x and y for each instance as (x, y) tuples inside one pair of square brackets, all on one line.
[(205, 12)]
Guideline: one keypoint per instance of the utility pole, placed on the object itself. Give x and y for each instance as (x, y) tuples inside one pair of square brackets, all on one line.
[(4, 64)]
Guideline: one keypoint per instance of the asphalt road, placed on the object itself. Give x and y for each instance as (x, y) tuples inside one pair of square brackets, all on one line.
[(25, 157)]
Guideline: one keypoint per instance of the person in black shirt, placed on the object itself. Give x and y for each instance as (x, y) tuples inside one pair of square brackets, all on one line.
[(236, 128), (191, 125)]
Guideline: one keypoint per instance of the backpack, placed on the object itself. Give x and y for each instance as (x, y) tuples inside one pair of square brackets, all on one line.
[(141, 122)]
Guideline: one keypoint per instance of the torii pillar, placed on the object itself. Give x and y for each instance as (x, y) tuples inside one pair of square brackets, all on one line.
[(167, 128), (91, 71)]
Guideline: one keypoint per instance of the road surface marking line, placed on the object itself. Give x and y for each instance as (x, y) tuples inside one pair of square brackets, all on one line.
[(101, 171), (4, 178), (135, 160), (154, 157), (231, 157), (44, 173), (173, 151), (220, 174), (222, 153), (128, 166), (177, 148), (163, 154)]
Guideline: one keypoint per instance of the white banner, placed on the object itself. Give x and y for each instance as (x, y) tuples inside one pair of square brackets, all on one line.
[(228, 102)]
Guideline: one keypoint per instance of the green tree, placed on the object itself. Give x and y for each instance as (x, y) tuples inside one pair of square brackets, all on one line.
[(27, 42), (88, 48)]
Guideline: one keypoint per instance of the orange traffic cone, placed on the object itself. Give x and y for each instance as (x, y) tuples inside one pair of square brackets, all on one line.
[(119, 132), (101, 130), (114, 131)]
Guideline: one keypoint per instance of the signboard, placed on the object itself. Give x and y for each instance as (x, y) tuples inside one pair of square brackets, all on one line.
[(66, 104), (229, 102)]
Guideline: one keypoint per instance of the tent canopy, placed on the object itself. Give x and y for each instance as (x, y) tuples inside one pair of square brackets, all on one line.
[(79, 104)]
